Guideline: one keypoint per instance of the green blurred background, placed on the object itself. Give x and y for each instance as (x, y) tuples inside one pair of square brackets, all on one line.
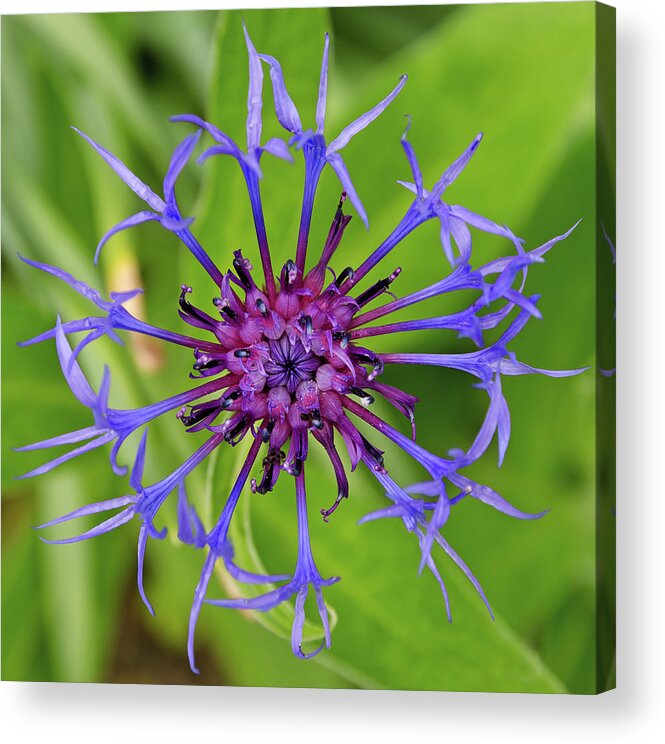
[(524, 75)]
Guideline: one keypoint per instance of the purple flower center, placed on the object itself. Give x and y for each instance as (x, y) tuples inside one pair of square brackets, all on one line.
[(290, 363)]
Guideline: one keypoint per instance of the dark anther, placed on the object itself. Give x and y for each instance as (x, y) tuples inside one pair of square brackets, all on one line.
[(376, 289), (229, 398), (343, 338), (335, 234), (197, 413), (373, 452), (184, 291), (306, 324), (315, 419), (367, 358), (271, 463), (238, 429), (296, 470), (261, 307), (224, 307), (241, 353), (239, 264), (371, 359), (369, 399), (189, 310), (340, 221), (207, 364), (289, 274), (347, 273), (265, 435)]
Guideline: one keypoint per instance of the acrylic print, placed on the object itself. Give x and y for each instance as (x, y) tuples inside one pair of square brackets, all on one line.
[(300, 319)]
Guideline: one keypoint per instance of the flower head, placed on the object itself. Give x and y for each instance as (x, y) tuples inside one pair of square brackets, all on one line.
[(287, 362)]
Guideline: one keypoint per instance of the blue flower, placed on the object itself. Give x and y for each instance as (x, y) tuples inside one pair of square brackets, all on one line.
[(316, 151), (284, 357), (165, 211)]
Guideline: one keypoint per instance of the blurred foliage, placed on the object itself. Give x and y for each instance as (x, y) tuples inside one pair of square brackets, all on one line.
[(522, 74)]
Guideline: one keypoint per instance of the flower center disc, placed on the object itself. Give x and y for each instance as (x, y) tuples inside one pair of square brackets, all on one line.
[(290, 363)]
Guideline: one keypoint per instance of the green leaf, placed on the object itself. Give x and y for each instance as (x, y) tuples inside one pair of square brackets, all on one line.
[(80, 597), (98, 59)]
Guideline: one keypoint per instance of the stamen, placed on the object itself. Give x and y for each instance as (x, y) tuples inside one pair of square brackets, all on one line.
[(289, 274), (197, 413), (366, 398), (242, 267), (224, 307), (340, 221), (271, 466), (234, 435), (368, 357), (378, 288), (191, 314), (267, 431), (306, 323), (343, 337), (325, 513), (315, 419), (374, 453), (205, 362), (228, 399), (347, 273)]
